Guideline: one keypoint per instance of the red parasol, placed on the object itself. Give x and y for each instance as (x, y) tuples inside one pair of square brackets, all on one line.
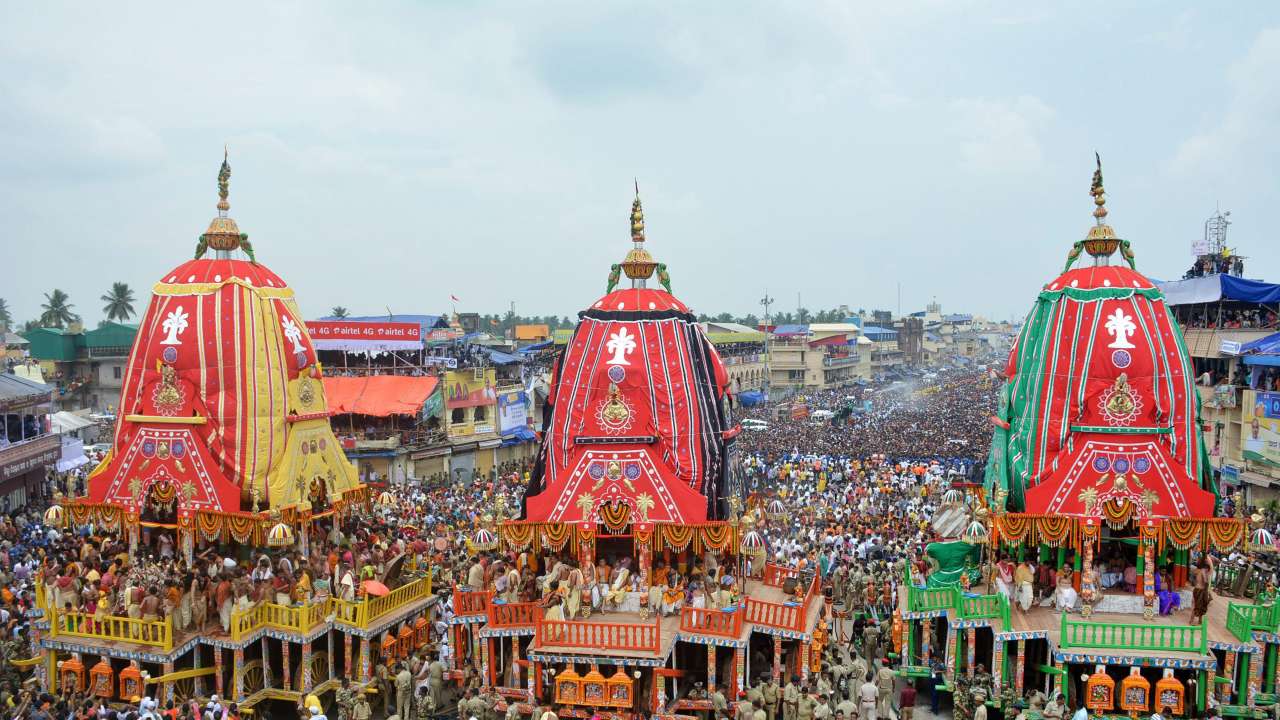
[(374, 588)]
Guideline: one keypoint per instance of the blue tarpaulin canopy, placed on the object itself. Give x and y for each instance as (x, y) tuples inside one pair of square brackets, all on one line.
[(520, 434), (750, 398), (1212, 288), (1263, 351), (497, 357)]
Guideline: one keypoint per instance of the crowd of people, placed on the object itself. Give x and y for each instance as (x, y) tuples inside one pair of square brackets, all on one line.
[(858, 495)]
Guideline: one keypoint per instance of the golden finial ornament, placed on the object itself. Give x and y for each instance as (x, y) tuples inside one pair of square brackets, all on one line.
[(1101, 241), (223, 234), (639, 265)]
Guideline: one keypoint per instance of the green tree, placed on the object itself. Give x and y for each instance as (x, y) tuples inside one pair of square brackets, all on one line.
[(6, 318), (119, 302), (56, 311), (339, 312), (802, 316)]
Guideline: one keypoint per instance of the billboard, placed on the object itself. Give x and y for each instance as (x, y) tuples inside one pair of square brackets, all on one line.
[(469, 388), (1261, 441), (512, 411), (357, 335)]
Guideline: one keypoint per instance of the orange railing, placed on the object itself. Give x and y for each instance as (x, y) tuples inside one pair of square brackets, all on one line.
[(512, 615), (775, 615), (711, 622), (775, 575), (599, 636), (473, 602)]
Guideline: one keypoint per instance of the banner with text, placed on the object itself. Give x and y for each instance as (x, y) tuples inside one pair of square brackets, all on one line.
[(364, 336), (1261, 442)]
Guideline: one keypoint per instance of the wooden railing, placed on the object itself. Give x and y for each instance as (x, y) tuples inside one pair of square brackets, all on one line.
[(599, 636), (513, 615), (472, 602), (775, 615), (113, 628), (775, 575), (711, 622), (1243, 620), (362, 613), (1124, 636), (995, 607), (296, 619)]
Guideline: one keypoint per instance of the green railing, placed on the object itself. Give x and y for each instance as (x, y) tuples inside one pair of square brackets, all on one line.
[(980, 607), (1243, 620), (1124, 636)]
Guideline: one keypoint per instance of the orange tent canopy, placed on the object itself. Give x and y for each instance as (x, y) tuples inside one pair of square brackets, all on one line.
[(378, 395)]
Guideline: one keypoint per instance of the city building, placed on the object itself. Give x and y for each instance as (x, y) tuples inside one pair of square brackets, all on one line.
[(86, 367), (27, 443), (742, 350), (818, 356)]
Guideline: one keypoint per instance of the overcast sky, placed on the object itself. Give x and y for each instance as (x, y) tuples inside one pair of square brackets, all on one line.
[(392, 154)]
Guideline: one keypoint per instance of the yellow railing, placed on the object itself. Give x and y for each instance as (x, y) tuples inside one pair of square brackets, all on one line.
[(363, 613), (290, 618), (113, 628)]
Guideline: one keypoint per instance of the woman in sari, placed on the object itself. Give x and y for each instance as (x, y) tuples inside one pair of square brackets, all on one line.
[(1169, 600)]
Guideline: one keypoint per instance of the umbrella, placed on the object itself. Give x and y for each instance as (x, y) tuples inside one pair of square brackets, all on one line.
[(374, 588)]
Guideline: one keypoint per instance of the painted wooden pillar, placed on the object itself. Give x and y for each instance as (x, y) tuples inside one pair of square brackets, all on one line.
[(999, 672), (1148, 578), (486, 660), (217, 676), (198, 681), (1020, 668), (777, 658), (971, 650), (304, 542), (803, 658), (287, 680), (330, 654), (346, 656), (305, 686), (1229, 672), (166, 690), (477, 651), (711, 667), (953, 649), (1273, 667), (926, 652), (532, 676), (1206, 678), (266, 664), (237, 678), (1255, 674), (740, 672), (366, 665)]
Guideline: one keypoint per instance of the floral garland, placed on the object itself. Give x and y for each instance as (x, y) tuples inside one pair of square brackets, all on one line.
[(1117, 513), (586, 541), (1014, 528), (1183, 533), (1055, 531), (555, 536), (718, 537), (1225, 534), (518, 536), (676, 537), (615, 516)]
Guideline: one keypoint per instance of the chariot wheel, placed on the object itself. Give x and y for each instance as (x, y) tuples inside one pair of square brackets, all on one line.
[(184, 690), (252, 677), (319, 670)]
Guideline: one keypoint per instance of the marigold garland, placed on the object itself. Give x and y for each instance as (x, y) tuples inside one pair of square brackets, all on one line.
[(718, 537), (1117, 513), (555, 536), (1014, 528), (1055, 531), (676, 537), (615, 516), (1225, 534), (518, 536)]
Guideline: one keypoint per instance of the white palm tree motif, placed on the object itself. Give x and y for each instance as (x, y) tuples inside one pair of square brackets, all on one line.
[(174, 324), (620, 344), (293, 333), (1121, 326)]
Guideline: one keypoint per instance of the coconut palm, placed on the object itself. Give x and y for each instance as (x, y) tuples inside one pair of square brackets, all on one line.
[(6, 319), (339, 312), (56, 311), (119, 302)]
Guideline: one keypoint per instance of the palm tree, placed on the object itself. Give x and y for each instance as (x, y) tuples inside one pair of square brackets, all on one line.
[(119, 302), (6, 319), (56, 311), (339, 312)]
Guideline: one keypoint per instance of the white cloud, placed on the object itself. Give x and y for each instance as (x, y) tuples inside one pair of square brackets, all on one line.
[(1000, 135), (1245, 132)]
